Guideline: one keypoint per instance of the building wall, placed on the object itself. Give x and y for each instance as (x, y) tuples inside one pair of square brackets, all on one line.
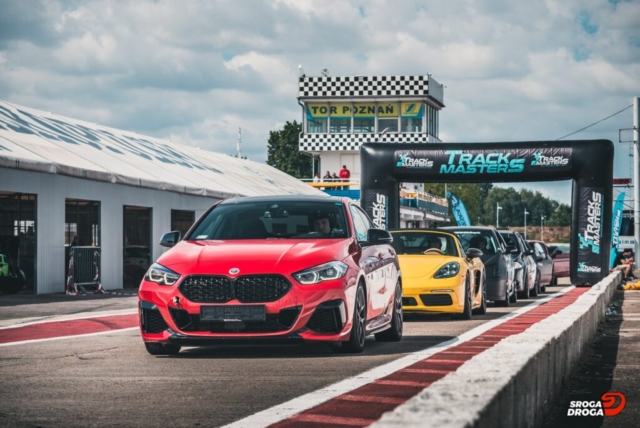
[(52, 190)]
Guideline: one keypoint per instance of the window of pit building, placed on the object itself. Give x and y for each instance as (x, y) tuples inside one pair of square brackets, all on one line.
[(388, 117), (317, 118), (339, 118), (364, 118), (412, 114)]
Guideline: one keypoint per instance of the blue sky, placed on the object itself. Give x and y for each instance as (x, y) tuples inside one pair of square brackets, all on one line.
[(196, 71)]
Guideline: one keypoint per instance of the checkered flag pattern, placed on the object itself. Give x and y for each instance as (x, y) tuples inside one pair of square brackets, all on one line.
[(329, 142), (365, 86)]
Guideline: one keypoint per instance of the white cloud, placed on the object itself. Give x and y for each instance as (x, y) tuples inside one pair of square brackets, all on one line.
[(195, 71)]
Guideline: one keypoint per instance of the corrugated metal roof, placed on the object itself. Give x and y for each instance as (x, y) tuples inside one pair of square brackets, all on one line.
[(40, 141)]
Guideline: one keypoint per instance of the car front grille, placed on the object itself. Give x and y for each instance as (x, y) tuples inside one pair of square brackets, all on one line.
[(247, 289), (409, 301), (152, 321), (282, 321), (207, 289), (261, 288), (436, 299)]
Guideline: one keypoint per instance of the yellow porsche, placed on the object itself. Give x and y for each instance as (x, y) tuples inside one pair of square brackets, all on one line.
[(437, 274)]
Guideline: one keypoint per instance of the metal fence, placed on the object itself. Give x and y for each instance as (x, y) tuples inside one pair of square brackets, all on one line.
[(84, 269)]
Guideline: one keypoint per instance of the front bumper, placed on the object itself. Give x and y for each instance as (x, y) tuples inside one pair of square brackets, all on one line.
[(315, 313), (433, 295)]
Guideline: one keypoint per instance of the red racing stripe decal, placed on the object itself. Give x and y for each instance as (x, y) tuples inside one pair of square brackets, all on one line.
[(365, 405), (49, 330)]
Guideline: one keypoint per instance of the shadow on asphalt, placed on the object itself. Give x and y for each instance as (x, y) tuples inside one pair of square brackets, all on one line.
[(408, 344), (33, 299)]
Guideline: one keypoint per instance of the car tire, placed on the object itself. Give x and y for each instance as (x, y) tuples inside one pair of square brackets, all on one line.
[(355, 344), (525, 293), (161, 349), (466, 312), (482, 310), (514, 296), (536, 287), (394, 334), (554, 281), (505, 303)]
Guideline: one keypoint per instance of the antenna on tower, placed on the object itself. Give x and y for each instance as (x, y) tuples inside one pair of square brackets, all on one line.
[(239, 147)]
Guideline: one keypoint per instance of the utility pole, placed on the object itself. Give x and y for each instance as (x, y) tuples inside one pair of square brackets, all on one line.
[(498, 208), (542, 227), (239, 146), (525, 223), (636, 174)]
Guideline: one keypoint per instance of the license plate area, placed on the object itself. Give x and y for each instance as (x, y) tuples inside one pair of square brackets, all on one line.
[(233, 313)]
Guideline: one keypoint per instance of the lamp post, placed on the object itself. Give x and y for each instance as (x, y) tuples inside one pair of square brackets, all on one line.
[(498, 208), (542, 227), (525, 223)]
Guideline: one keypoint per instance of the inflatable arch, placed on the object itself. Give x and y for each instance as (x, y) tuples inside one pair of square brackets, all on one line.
[(589, 163)]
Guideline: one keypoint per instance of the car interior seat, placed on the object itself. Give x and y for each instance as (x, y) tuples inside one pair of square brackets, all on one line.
[(253, 229)]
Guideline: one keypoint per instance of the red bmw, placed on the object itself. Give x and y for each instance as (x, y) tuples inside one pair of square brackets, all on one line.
[(284, 268)]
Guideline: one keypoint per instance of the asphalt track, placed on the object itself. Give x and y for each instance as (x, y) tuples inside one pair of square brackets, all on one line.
[(106, 378)]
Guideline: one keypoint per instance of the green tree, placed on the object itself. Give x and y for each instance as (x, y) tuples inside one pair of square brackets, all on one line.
[(283, 152), (469, 193), (561, 216)]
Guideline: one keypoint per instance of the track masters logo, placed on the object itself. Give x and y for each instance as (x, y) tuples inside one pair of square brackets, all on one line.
[(591, 235), (460, 162), (407, 161), (540, 159), (379, 211)]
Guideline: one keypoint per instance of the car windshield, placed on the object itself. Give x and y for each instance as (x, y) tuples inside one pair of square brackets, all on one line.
[(510, 239), (562, 247), (273, 219), (483, 240), (417, 242)]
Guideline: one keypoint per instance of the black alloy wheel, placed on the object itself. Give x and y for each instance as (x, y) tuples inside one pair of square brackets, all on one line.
[(355, 344), (483, 304), (466, 312), (394, 334), (161, 349)]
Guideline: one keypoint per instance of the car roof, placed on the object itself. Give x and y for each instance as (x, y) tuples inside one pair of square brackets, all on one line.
[(288, 198), (479, 228)]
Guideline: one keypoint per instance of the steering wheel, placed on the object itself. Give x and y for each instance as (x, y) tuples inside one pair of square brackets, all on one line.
[(433, 251)]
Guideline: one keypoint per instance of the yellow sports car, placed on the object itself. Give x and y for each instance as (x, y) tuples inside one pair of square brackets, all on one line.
[(437, 274)]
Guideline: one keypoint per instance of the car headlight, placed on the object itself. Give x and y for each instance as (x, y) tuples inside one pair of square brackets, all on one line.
[(161, 275), (449, 270), (323, 272)]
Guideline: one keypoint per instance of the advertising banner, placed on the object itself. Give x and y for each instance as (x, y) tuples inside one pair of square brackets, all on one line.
[(411, 109), (377, 207), (590, 232), (482, 162), (616, 224), (459, 210)]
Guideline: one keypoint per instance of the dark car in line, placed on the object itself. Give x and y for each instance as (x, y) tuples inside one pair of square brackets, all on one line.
[(545, 263), (527, 276), (499, 266), (274, 269)]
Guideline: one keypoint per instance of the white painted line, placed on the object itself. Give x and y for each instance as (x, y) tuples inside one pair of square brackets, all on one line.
[(23, 322), (293, 407), (77, 336)]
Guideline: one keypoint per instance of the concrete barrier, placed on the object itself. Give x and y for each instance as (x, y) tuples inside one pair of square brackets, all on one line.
[(514, 383)]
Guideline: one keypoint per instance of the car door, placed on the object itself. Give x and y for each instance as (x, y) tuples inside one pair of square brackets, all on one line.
[(532, 265), (545, 262), (508, 259), (371, 262)]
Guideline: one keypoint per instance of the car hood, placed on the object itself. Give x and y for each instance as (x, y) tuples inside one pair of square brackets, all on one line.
[(420, 266), (252, 256)]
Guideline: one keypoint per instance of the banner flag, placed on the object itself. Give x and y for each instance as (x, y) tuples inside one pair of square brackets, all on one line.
[(459, 210), (616, 223)]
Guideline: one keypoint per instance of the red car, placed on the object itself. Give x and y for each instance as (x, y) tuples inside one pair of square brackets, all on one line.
[(287, 268), (560, 255)]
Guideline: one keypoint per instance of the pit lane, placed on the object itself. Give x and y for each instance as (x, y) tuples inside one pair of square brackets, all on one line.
[(110, 380)]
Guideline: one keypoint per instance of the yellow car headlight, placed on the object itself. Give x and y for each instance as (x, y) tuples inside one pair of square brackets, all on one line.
[(449, 270)]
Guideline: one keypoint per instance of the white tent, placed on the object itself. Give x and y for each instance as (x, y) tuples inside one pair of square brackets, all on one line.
[(40, 141)]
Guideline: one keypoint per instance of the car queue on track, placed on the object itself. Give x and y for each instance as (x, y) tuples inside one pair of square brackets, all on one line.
[(316, 269)]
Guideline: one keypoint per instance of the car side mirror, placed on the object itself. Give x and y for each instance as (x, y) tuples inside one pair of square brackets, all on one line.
[(170, 239), (511, 249), (528, 253), (379, 236), (540, 257), (474, 253)]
